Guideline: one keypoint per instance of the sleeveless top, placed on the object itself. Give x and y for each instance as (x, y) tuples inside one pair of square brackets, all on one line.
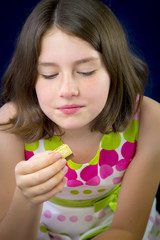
[(86, 205)]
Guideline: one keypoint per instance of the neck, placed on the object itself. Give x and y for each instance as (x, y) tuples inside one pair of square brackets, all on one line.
[(83, 143), (82, 138), (78, 134)]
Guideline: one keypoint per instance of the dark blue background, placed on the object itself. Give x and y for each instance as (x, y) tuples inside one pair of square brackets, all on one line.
[(140, 19)]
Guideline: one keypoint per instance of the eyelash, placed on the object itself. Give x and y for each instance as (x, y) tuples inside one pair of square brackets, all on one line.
[(49, 76), (86, 74)]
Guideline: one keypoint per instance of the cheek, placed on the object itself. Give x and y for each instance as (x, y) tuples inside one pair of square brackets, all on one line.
[(98, 90), (102, 94), (42, 93)]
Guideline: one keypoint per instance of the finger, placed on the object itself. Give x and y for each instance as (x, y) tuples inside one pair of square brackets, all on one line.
[(43, 175), (45, 197), (48, 185), (37, 162)]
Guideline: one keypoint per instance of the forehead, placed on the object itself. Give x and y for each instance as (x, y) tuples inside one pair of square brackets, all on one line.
[(56, 43)]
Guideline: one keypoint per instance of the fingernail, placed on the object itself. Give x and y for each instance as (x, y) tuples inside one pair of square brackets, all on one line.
[(65, 180), (63, 161), (65, 169), (57, 155)]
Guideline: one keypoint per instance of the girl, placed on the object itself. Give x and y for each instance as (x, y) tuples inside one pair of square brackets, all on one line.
[(74, 80)]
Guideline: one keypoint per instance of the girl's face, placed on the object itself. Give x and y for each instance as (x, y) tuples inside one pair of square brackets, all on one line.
[(72, 84)]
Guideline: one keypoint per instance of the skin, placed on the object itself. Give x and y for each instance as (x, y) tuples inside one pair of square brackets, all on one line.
[(7, 112), (71, 71), (137, 193), (29, 183), (25, 185)]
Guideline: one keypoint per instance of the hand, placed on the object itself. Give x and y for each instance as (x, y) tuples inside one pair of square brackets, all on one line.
[(41, 177), (7, 112)]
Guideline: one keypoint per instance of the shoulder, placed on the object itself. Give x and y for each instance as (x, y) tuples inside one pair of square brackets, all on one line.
[(7, 112), (149, 128), (152, 107)]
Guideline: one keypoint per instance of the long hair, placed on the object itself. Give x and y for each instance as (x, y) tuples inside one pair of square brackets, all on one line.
[(95, 23)]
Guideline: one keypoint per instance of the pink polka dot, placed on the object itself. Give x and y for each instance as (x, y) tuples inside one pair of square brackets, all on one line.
[(57, 237), (105, 171), (128, 150), (74, 183), (88, 218), (108, 157), (122, 164), (71, 174), (95, 181), (73, 219), (149, 237), (47, 214), (117, 180), (89, 172), (151, 219), (158, 221), (101, 214), (136, 116), (61, 218), (51, 237), (28, 154)]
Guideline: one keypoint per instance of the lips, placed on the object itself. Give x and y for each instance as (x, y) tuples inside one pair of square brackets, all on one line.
[(70, 109)]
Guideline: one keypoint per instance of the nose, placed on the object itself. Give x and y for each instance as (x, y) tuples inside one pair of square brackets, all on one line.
[(68, 87)]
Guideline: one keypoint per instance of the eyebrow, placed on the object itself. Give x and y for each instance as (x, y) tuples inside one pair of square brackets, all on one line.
[(77, 62)]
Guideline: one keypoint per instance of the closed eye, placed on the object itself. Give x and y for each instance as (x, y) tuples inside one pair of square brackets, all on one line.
[(49, 76), (86, 73)]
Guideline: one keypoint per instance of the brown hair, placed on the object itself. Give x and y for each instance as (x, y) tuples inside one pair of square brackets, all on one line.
[(93, 22)]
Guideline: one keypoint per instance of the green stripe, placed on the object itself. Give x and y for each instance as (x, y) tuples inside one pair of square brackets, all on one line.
[(98, 203), (157, 233), (95, 233)]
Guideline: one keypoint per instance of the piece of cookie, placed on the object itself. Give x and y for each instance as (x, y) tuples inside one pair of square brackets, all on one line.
[(65, 151)]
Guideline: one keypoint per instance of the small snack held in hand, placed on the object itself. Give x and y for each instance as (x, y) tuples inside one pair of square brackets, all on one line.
[(65, 151)]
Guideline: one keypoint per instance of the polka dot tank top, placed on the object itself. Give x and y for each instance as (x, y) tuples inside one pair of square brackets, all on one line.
[(86, 205)]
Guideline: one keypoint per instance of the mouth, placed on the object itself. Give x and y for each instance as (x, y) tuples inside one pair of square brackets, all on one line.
[(70, 109)]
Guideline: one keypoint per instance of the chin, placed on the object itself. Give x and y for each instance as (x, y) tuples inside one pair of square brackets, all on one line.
[(72, 126)]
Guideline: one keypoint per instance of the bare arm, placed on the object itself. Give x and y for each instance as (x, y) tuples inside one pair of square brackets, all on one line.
[(15, 212), (24, 188), (141, 180)]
